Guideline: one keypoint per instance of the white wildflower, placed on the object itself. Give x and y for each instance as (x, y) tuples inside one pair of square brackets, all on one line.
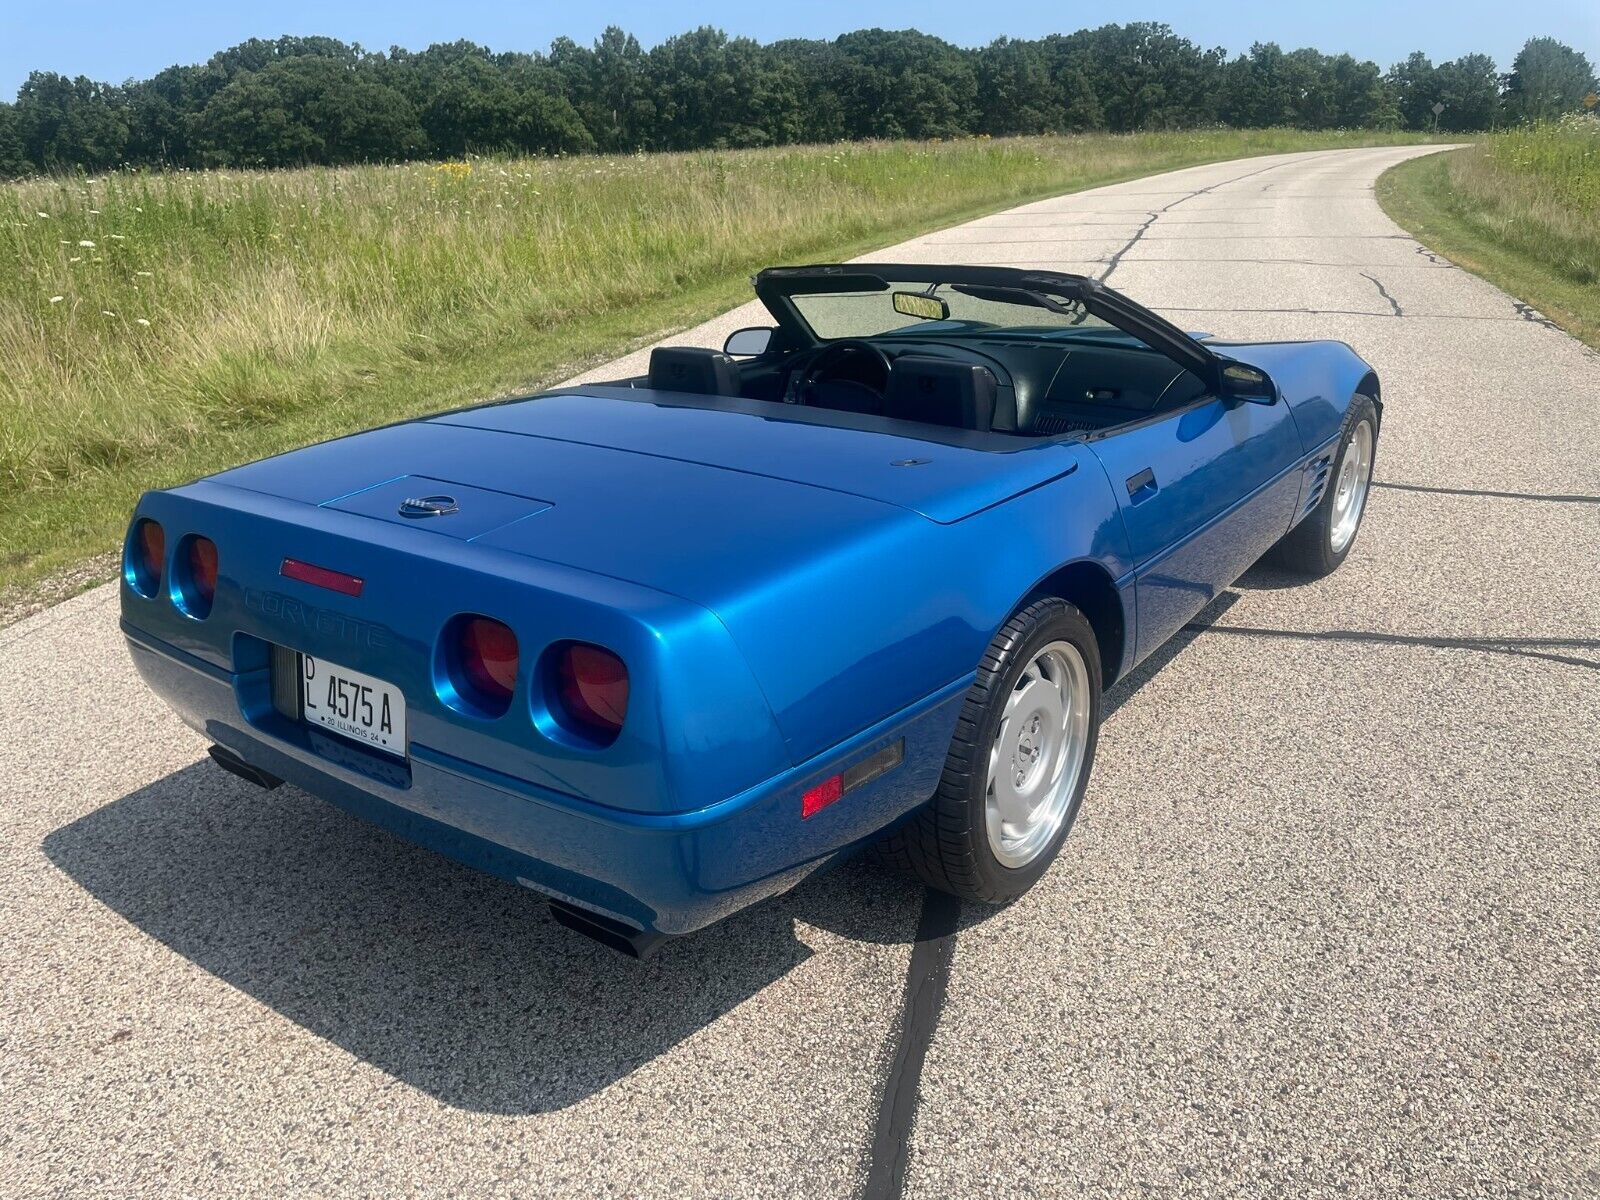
[(75, 258), (106, 312), (94, 212), (117, 237), (136, 208), (44, 214), (86, 244), (142, 321), (145, 274), (57, 299)]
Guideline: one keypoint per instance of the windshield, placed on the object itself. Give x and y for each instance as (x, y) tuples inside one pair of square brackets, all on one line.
[(941, 310)]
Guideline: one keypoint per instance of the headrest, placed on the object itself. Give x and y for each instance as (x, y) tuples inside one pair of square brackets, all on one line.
[(938, 391), (691, 369)]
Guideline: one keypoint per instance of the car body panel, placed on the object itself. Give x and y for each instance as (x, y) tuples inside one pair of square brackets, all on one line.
[(667, 873), (1203, 493)]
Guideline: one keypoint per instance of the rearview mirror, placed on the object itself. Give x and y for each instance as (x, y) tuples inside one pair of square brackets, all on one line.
[(921, 305), (1242, 382), (747, 343)]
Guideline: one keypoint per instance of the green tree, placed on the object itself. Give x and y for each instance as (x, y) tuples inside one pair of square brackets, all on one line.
[(609, 87), (1145, 76), (1015, 94), (713, 92), (161, 111), (71, 122), (1411, 83), (544, 120), (311, 109), (820, 69), (13, 156), (1547, 79), (1360, 97), (901, 83), (1469, 89), (1261, 89), (1340, 93)]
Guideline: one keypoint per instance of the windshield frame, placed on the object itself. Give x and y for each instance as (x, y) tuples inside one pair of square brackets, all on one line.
[(776, 287)]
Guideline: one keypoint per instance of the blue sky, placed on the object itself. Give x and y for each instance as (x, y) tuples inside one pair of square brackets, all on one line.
[(122, 39)]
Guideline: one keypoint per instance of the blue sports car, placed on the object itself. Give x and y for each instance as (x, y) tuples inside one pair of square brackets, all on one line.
[(660, 648)]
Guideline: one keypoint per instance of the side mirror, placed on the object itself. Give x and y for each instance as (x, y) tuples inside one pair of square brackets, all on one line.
[(1251, 384), (747, 343)]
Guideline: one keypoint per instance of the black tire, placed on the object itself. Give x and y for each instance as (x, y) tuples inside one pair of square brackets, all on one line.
[(1307, 549), (946, 842)]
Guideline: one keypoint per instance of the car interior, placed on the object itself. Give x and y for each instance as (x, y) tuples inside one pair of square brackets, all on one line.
[(1007, 385)]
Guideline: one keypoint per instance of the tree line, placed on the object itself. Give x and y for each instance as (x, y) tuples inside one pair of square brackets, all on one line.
[(313, 100)]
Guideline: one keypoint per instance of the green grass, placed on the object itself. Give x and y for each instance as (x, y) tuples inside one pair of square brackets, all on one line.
[(1521, 209), (154, 328)]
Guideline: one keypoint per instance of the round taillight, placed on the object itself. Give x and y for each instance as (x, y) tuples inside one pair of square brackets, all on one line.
[(592, 687), (481, 654), (194, 576), (144, 556)]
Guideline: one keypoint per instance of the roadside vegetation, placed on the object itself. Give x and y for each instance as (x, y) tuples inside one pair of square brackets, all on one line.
[(317, 101), (1521, 208), (155, 327)]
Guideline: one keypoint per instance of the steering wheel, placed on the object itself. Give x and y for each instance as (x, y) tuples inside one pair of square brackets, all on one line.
[(833, 357)]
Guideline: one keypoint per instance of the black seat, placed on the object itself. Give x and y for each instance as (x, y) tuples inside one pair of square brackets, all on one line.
[(691, 369), (940, 391)]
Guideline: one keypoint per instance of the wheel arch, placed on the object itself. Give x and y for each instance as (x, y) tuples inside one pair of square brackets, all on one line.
[(1369, 386), (1089, 586)]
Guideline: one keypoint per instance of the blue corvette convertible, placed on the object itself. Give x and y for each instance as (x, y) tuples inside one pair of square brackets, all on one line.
[(660, 648)]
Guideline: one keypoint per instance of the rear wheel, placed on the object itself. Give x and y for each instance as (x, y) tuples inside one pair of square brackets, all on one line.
[(1317, 545), (1018, 764)]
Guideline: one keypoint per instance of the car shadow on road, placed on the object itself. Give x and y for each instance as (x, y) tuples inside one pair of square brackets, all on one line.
[(451, 981)]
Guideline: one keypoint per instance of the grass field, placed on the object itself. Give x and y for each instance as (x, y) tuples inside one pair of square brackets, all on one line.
[(1520, 208), (158, 327)]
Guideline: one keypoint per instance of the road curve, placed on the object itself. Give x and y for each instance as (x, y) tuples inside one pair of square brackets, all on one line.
[(1329, 924)]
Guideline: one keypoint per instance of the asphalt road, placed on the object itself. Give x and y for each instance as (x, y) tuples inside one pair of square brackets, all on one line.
[(1330, 923)]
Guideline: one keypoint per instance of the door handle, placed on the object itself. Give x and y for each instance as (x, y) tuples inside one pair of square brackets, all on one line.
[(1142, 486)]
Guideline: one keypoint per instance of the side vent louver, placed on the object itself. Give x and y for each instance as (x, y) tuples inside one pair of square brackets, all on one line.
[(1319, 480)]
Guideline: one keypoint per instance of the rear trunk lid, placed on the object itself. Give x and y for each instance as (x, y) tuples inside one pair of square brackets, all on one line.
[(944, 480), (699, 503)]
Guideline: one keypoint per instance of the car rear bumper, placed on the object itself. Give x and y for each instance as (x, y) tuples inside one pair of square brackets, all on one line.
[(668, 873)]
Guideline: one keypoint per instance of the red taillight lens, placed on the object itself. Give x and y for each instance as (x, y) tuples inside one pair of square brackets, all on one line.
[(203, 569), (819, 797), (592, 684), (152, 547), (487, 652), (147, 553)]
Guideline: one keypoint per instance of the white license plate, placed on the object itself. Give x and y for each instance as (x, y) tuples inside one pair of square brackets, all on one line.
[(362, 708)]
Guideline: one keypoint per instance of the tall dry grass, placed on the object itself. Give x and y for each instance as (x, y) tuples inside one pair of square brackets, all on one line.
[(154, 327), (1536, 190)]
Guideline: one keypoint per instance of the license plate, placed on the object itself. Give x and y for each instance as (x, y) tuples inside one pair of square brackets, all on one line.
[(362, 708)]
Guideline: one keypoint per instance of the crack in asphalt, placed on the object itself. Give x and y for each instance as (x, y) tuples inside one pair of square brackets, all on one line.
[(1291, 262), (1554, 498), (1434, 258), (1155, 215), (1528, 312), (1384, 292), (927, 981), (1116, 259), (1284, 237), (1520, 647), (1348, 312)]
